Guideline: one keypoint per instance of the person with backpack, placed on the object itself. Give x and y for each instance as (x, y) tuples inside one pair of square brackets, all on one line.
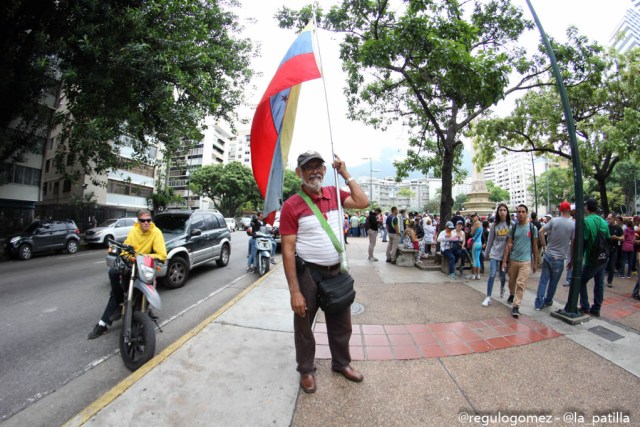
[(522, 255), (596, 256), (628, 251)]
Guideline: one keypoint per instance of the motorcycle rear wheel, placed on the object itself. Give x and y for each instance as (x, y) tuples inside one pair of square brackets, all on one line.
[(263, 265), (142, 345)]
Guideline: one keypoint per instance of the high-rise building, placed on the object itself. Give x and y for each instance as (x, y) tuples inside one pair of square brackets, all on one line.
[(211, 150), (627, 33), (514, 173)]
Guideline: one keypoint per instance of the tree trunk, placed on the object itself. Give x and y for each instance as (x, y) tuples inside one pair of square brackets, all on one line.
[(446, 202), (604, 201)]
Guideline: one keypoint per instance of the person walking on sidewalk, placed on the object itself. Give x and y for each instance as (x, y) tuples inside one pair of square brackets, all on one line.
[(309, 257), (560, 233), (522, 254), (496, 245), (372, 232), (394, 235), (593, 224)]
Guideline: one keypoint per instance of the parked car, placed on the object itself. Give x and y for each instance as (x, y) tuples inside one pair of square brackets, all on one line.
[(42, 236), (193, 238), (245, 222), (231, 224), (116, 229)]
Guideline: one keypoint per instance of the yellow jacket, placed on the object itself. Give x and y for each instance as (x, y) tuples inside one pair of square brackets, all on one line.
[(151, 242)]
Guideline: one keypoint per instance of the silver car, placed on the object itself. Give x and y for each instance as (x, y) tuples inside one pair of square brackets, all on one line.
[(116, 229)]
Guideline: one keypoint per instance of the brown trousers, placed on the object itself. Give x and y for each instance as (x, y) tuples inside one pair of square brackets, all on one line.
[(338, 325)]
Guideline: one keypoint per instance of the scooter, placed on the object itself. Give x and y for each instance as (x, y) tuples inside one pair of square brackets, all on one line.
[(137, 338), (263, 251)]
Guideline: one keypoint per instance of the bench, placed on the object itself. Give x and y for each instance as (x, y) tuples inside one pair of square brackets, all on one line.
[(406, 257)]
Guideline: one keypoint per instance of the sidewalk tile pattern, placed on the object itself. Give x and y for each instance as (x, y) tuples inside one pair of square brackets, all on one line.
[(417, 341), (618, 307)]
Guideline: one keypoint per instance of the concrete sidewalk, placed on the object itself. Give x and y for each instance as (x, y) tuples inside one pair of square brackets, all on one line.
[(431, 355)]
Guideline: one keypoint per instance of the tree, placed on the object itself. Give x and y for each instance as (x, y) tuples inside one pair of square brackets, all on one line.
[(625, 177), (163, 198), (559, 182), (460, 200), (290, 184), (406, 192), (606, 111), (497, 194), (432, 206), (129, 73), (229, 186), (432, 65)]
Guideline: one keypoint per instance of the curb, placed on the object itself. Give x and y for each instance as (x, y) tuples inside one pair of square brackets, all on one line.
[(100, 403)]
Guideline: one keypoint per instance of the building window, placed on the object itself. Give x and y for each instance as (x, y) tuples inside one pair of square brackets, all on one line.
[(70, 160), (47, 165), (128, 189), (56, 188), (17, 174), (44, 190), (66, 186)]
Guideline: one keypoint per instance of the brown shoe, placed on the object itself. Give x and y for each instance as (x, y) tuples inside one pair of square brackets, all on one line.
[(308, 383), (351, 374)]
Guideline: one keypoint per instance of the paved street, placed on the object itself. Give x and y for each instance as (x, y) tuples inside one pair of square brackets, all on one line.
[(48, 305)]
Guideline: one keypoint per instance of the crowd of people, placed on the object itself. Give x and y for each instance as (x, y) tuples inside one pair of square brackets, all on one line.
[(514, 244)]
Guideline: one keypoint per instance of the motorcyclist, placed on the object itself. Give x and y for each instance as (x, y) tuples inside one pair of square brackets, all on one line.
[(257, 222), (145, 238)]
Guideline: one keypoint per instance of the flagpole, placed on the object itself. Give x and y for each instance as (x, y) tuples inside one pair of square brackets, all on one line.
[(343, 259)]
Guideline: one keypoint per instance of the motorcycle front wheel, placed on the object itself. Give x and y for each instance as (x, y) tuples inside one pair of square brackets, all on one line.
[(142, 345), (263, 265)]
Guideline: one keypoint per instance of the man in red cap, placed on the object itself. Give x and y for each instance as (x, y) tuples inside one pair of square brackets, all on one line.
[(560, 232)]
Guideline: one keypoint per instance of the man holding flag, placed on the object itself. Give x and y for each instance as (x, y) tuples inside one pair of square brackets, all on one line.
[(309, 256)]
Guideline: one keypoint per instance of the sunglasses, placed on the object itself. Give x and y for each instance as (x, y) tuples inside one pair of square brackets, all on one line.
[(145, 220)]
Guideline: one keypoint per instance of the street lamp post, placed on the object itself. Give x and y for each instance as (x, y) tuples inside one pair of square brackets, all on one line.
[(371, 171)]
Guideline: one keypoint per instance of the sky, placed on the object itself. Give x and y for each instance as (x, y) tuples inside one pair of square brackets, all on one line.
[(353, 141)]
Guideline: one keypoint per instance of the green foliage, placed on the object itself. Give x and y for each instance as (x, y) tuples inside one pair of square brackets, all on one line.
[(432, 206), (433, 66), (149, 70), (406, 192), (605, 100), (624, 180), (163, 198), (290, 184), (497, 194), (230, 186), (460, 200), (559, 182)]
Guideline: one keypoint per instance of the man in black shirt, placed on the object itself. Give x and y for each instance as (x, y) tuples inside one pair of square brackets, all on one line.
[(615, 230), (372, 231)]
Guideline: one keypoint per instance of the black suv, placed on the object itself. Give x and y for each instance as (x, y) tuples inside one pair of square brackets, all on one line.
[(44, 235), (192, 238)]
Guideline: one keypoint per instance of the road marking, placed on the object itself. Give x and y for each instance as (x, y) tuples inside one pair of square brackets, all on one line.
[(91, 410)]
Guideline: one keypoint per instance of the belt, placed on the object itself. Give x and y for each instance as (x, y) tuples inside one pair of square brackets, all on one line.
[(322, 267)]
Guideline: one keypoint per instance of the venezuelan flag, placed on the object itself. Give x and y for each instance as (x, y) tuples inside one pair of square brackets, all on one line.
[(274, 119)]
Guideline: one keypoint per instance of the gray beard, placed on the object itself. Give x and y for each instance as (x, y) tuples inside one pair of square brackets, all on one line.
[(313, 187)]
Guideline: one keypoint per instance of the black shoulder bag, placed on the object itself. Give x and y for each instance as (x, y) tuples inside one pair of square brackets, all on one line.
[(334, 293)]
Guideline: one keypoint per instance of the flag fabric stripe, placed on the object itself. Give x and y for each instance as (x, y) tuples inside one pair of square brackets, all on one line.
[(274, 119)]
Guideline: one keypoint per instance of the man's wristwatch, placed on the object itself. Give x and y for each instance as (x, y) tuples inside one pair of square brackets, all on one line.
[(348, 181)]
